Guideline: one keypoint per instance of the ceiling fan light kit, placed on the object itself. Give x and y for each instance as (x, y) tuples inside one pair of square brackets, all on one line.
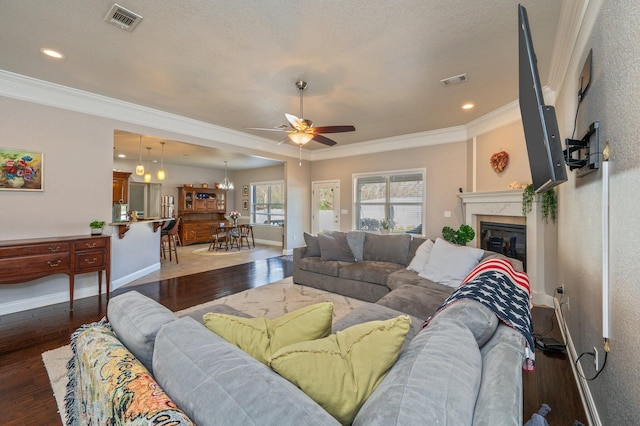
[(301, 131)]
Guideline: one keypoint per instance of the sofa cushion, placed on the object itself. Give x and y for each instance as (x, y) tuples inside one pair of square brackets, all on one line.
[(502, 358), (479, 319), (373, 312), (435, 381), (421, 256), (387, 248), (417, 301), (261, 337), (335, 247), (313, 248), (340, 371), (136, 319), (449, 264), (215, 382), (367, 271), (315, 264), (355, 239)]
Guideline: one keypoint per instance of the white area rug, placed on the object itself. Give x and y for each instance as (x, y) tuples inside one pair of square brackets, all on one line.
[(270, 301)]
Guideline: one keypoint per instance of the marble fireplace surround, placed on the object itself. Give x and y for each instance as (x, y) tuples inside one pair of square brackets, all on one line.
[(503, 207)]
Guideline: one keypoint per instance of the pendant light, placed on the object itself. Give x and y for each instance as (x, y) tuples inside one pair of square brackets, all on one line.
[(140, 167), (226, 183), (147, 176), (161, 174)]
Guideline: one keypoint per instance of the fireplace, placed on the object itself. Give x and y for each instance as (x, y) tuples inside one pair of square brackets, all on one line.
[(539, 237), (509, 239)]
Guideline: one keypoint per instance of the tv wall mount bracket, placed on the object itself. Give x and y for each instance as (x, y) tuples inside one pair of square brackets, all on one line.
[(584, 154)]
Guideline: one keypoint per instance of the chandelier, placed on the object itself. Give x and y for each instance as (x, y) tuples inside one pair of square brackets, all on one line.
[(226, 183)]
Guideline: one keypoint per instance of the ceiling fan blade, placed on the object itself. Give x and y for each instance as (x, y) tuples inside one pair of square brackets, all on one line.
[(325, 140), (284, 129), (296, 123), (334, 129)]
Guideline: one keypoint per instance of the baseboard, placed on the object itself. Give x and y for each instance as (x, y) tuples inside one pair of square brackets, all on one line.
[(134, 276), (583, 387), (46, 300)]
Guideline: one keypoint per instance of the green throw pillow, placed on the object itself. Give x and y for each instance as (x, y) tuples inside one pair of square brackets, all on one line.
[(339, 372), (261, 337)]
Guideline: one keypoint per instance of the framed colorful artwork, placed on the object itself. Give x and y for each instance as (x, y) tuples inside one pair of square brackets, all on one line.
[(21, 170), (245, 204), (245, 190)]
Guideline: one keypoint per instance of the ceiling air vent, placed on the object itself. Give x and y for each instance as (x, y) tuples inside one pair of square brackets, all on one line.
[(123, 18), (457, 79)]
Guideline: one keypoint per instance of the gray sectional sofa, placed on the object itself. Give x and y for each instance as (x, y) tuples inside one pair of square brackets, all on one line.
[(464, 368), (373, 267)]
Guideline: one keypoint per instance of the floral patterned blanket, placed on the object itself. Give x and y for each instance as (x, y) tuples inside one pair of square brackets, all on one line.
[(124, 394)]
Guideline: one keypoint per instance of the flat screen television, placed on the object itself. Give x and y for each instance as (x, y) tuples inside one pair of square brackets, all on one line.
[(544, 145)]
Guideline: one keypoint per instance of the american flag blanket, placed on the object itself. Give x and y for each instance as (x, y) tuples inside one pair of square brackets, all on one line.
[(495, 284)]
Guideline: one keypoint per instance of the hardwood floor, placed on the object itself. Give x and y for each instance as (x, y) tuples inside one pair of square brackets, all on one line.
[(26, 397)]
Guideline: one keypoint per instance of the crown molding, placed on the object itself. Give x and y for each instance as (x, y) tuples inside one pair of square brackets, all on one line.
[(413, 140), (572, 15), (41, 92), (29, 89)]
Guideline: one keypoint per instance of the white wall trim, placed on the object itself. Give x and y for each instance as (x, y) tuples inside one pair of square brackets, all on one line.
[(29, 89), (42, 92), (134, 276), (593, 418)]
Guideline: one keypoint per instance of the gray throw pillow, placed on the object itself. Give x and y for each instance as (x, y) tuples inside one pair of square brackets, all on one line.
[(335, 247), (387, 248), (313, 249), (356, 243)]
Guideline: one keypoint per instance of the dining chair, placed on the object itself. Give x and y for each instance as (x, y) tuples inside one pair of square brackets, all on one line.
[(219, 236)]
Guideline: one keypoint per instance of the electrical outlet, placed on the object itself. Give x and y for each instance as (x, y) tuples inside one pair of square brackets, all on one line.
[(595, 358)]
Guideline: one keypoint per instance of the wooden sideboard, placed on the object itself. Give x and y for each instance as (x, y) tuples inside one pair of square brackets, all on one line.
[(26, 260), (199, 209)]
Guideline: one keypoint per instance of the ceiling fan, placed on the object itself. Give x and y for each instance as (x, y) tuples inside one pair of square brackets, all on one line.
[(301, 131)]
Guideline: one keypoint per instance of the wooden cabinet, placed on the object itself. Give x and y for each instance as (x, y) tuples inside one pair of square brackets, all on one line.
[(201, 200), (200, 208), (121, 187), (26, 260)]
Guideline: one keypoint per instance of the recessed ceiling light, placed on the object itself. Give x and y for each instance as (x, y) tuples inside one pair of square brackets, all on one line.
[(52, 53), (122, 156), (468, 106)]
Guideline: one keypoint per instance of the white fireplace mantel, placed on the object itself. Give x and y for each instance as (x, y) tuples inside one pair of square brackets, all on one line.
[(509, 203)]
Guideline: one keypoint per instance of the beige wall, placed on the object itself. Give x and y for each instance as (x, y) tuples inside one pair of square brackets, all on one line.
[(446, 167), (509, 138), (614, 101)]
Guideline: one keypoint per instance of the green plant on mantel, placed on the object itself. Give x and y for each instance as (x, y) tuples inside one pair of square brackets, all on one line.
[(549, 203)]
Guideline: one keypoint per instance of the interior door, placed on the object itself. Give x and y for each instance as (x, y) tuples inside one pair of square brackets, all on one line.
[(326, 206)]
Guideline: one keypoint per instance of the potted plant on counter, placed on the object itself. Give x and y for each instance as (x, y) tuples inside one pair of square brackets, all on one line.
[(96, 227)]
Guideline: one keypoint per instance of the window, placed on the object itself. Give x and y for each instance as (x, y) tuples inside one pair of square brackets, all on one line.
[(397, 196), (267, 202)]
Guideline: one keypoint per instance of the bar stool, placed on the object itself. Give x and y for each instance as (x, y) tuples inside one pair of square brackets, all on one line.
[(168, 239)]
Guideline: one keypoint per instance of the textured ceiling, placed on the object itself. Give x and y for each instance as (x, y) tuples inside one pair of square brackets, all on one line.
[(376, 64)]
